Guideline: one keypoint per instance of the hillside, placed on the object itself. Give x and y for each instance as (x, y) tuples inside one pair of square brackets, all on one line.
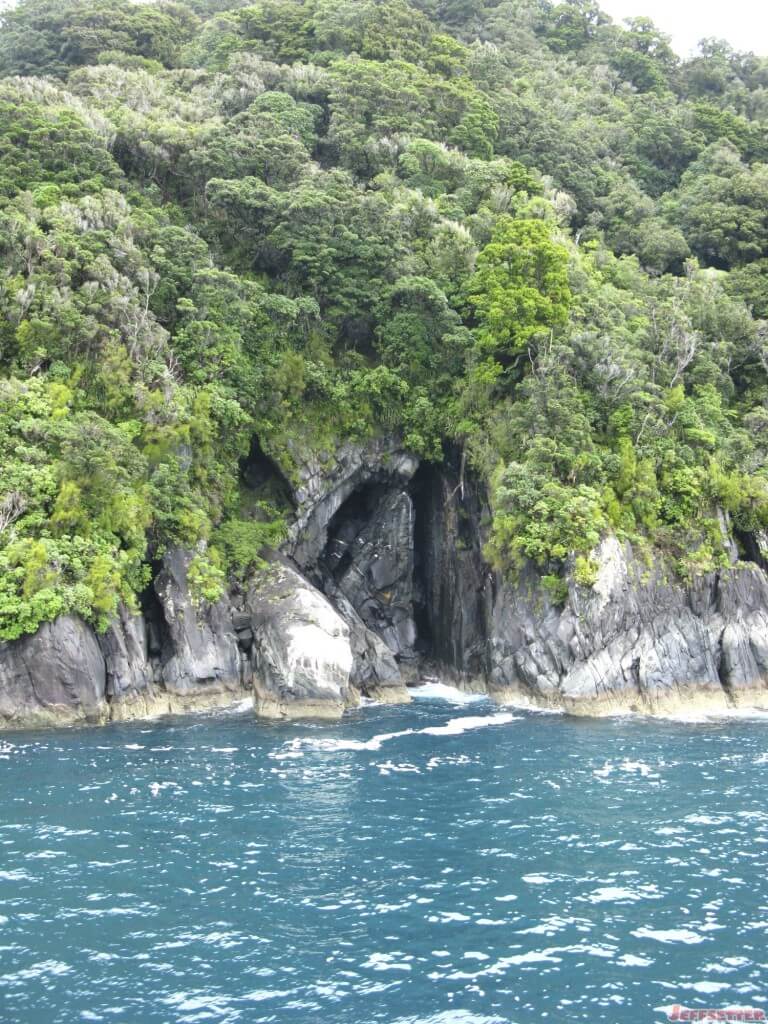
[(515, 235)]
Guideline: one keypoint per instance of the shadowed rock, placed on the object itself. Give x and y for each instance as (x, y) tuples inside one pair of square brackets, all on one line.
[(55, 676)]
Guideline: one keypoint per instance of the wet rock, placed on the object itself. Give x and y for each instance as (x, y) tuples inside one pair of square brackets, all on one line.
[(327, 482), (130, 686), (301, 656), (200, 661), (375, 671), (454, 586), (638, 640), (56, 676), (369, 556)]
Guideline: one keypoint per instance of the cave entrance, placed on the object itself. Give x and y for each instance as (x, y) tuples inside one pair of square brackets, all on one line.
[(407, 557), (346, 527), (750, 548), (450, 574), (262, 479), (368, 560)]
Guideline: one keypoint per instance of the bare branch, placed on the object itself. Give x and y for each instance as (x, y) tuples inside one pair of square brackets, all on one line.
[(12, 506)]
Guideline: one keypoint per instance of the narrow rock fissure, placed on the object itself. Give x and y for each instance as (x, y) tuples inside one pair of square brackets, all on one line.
[(157, 631), (722, 671)]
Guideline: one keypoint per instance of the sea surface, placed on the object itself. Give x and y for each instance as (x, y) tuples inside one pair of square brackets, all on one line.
[(448, 862)]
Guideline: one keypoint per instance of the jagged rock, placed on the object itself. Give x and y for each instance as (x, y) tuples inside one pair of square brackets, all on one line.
[(397, 551), (375, 672), (200, 659), (369, 556), (636, 641), (454, 585), (56, 676), (130, 687), (326, 483), (302, 657)]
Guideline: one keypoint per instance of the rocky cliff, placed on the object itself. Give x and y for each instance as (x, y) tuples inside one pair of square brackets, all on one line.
[(382, 574)]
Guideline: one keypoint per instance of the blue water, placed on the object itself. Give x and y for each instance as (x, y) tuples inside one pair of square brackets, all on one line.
[(475, 867)]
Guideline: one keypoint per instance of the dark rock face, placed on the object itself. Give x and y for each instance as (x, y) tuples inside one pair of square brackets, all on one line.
[(199, 654), (129, 676), (369, 559), (636, 641), (54, 676), (326, 483), (454, 585)]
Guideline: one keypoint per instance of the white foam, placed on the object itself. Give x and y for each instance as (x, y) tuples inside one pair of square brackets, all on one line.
[(534, 957), (637, 768), (453, 727), (328, 744), (389, 766), (457, 726), (442, 691), (630, 960), (707, 987), (628, 767), (715, 715), (669, 935), (385, 962), (617, 894), (241, 705)]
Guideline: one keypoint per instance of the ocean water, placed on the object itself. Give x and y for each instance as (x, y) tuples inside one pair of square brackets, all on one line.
[(448, 862)]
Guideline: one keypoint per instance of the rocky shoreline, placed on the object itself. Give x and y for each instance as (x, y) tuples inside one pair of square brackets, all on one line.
[(383, 573)]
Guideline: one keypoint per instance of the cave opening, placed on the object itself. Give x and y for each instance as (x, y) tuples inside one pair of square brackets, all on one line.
[(406, 556), (750, 548), (263, 479), (346, 526), (153, 613)]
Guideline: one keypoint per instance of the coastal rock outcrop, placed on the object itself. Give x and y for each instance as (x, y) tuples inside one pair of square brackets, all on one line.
[(369, 559), (55, 676), (130, 687), (200, 663), (301, 655), (636, 641), (383, 576), (328, 480)]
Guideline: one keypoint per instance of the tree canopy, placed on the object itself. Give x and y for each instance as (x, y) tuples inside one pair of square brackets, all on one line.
[(515, 227)]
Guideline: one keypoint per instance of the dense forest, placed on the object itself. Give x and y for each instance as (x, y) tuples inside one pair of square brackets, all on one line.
[(511, 230)]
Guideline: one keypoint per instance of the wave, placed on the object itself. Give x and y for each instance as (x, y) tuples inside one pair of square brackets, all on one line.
[(693, 717), (453, 727), (670, 935), (457, 726), (433, 690)]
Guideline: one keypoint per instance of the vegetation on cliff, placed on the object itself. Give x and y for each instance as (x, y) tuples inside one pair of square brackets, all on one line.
[(512, 226)]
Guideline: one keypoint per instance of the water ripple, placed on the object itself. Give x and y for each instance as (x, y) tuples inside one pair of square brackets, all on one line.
[(442, 863)]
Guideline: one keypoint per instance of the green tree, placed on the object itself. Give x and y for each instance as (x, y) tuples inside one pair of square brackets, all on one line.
[(520, 287)]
